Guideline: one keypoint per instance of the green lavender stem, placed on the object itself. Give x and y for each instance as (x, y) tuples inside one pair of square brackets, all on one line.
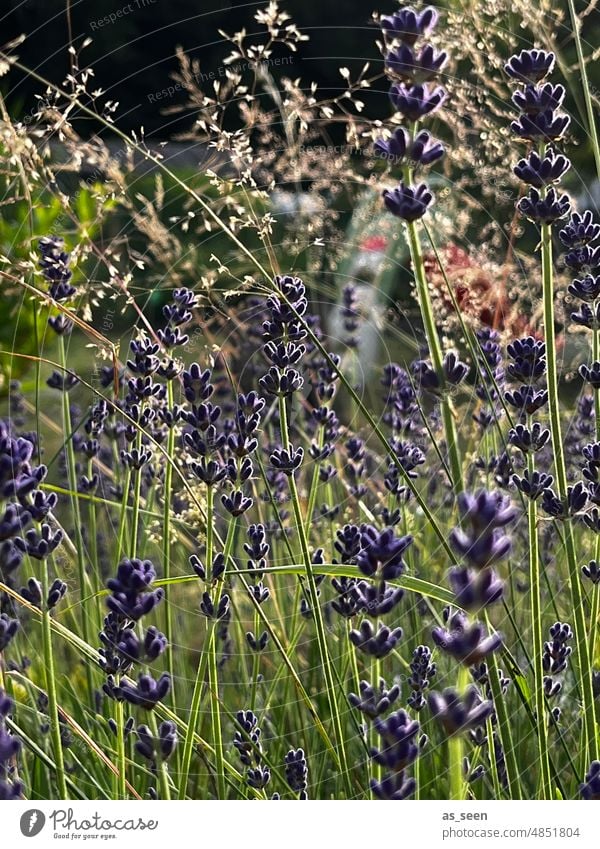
[(596, 588), (215, 711), (166, 530), (120, 723), (314, 599), (584, 669), (83, 577), (435, 351), (51, 686), (587, 93), (162, 768), (537, 637), (504, 720), (135, 509)]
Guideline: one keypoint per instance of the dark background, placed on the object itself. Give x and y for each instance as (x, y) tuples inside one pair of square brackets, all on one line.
[(134, 57)]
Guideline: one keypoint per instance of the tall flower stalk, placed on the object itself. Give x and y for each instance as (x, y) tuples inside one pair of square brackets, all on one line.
[(542, 124), (410, 148), (284, 349), (528, 367)]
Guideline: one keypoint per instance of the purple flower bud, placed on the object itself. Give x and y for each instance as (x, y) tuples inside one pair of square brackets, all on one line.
[(466, 641), (556, 651), (422, 673), (542, 171), (40, 544), (534, 99), (287, 461), (532, 485), (591, 373), (527, 399), (586, 288), (373, 701), (296, 771), (587, 316), (579, 230), (590, 788), (592, 571), (146, 693), (475, 589), (375, 642), (544, 210), (407, 24), (8, 629), (236, 503), (416, 101), (456, 713), (404, 62), (530, 66), (131, 594), (423, 150)]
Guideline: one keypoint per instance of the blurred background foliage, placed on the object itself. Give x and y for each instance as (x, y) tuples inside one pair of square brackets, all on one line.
[(134, 59)]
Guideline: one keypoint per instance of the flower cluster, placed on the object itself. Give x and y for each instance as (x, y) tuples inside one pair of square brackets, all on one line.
[(10, 786), (247, 742), (55, 265), (131, 598), (542, 123), (414, 96)]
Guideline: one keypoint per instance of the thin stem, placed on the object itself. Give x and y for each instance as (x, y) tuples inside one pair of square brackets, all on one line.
[(587, 95), (83, 577), (162, 768), (455, 746), (435, 351), (137, 494), (120, 723), (504, 720), (583, 663), (317, 613), (188, 745), (51, 686), (215, 711), (455, 767), (166, 551), (537, 637)]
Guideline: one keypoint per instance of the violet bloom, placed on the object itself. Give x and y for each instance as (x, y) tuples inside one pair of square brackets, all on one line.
[(296, 772), (408, 24), (481, 541), (8, 629), (423, 670), (414, 98), (590, 788), (160, 747), (530, 66), (381, 553), (376, 642), (456, 713), (466, 641), (407, 64), (11, 788), (374, 701), (146, 693), (131, 593), (408, 202), (422, 150)]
